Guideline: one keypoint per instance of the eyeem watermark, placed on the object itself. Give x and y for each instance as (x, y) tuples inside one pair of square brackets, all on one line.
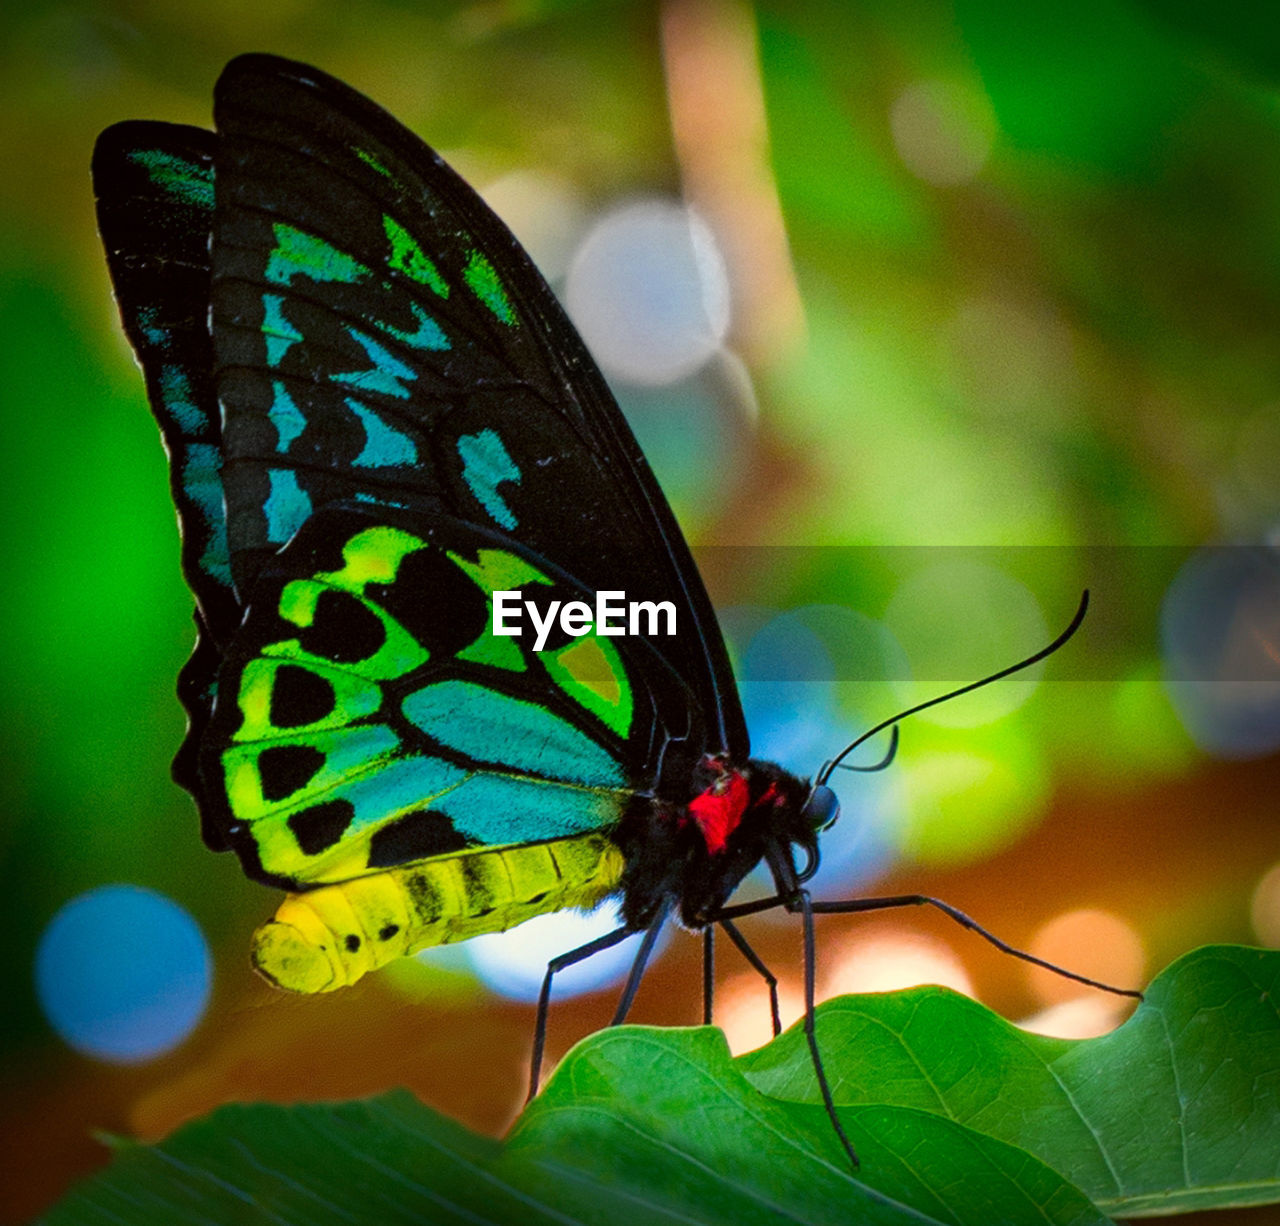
[(613, 614)]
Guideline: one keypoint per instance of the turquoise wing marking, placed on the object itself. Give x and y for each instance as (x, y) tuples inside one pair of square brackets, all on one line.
[(501, 810), (486, 465), (480, 724)]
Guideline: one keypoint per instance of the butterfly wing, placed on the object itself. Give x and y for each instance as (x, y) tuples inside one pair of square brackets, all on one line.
[(369, 717), (389, 366), (381, 336), (154, 187)]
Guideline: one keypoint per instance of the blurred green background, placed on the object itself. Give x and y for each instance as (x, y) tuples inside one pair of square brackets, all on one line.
[(1003, 306)]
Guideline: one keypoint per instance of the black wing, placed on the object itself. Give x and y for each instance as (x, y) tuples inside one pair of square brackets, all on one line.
[(328, 316), (381, 336), (154, 188)]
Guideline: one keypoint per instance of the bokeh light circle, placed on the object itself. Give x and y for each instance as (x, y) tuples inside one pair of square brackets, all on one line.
[(742, 1010), (890, 961), (959, 621), (513, 963), (649, 292), (1091, 942), (123, 974), (1264, 908), (962, 805), (1081, 1017), (1220, 641), (943, 132)]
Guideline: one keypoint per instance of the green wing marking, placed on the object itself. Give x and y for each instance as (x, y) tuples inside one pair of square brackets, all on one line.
[(591, 672), (298, 254), (409, 258), (179, 176), (482, 280), (373, 719)]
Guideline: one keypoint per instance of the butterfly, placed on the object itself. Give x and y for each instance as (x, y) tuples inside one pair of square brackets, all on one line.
[(380, 424)]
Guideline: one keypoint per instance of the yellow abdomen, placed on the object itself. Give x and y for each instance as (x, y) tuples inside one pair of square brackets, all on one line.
[(327, 938)]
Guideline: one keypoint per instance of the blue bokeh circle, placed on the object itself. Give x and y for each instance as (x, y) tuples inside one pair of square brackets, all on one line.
[(123, 974)]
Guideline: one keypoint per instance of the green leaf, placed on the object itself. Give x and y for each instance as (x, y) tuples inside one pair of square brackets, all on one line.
[(958, 1116), (674, 1131), (637, 1126), (1178, 1109), (387, 1160)]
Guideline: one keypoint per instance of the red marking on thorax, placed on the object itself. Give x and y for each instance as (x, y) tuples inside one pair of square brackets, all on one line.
[(719, 810)]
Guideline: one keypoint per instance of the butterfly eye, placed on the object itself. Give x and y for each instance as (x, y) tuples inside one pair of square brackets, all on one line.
[(822, 808)]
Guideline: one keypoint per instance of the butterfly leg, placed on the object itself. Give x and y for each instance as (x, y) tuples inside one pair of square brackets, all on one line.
[(599, 945), (642, 960), (923, 900), (811, 1024), (795, 898), (708, 971), (731, 930), (855, 905)]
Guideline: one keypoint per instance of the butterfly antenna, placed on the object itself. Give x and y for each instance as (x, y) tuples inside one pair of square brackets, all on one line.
[(883, 764), (825, 773)]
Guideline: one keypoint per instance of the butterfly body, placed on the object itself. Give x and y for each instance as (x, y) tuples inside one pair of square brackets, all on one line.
[(378, 417), (697, 853), (327, 938)]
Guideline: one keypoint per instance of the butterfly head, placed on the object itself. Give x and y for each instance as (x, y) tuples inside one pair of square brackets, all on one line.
[(821, 807)]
